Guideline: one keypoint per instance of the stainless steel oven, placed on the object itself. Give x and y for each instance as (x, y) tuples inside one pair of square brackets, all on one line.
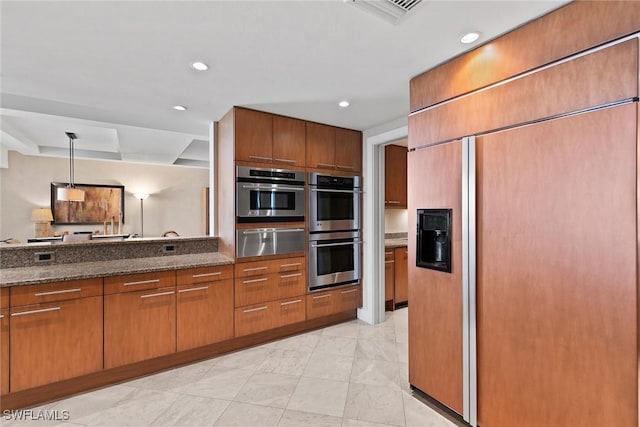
[(269, 195), (334, 202), (334, 259)]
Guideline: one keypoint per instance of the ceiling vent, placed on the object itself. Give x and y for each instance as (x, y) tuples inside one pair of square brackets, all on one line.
[(390, 10)]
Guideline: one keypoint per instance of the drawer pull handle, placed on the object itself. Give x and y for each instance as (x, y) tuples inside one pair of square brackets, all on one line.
[(349, 291), (264, 279), (251, 310), (260, 158), (255, 269), (293, 264), (201, 288), (286, 276), (394, 202), (328, 165), (390, 262), (65, 291), (217, 273), (290, 302), (1, 316), (44, 310), (285, 160), (322, 296), (159, 294), (347, 167), (388, 253), (141, 282)]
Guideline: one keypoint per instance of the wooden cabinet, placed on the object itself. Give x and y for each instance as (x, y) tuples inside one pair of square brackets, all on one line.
[(289, 141), (389, 277), (268, 315), (55, 341), (258, 268), (4, 351), (139, 325), (139, 282), (325, 303), (204, 306), (400, 275), (334, 148), (253, 135), (252, 290), (51, 292), (290, 311), (395, 176)]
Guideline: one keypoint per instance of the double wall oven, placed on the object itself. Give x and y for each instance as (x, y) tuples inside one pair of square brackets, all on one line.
[(334, 230)]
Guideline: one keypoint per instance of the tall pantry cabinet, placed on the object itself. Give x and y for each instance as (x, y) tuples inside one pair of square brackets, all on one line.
[(537, 323)]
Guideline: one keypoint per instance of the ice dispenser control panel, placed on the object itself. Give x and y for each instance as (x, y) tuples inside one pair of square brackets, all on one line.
[(433, 242)]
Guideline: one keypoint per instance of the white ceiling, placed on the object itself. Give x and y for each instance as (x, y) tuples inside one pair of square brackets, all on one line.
[(111, 70)]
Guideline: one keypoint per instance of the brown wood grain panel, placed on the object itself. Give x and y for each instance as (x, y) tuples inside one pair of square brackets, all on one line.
[(256, 318), (321, 304), (435, 310), (573, 28), (253, 135), (105, 377), (349, 297), (348, 150), (4, 351), (54, 345), (321, 141), (289, 141), (605, 76), (401, 278), (226, 183), (188, 276), (204, 314), (262, 267), (139, 325), (395, 176), (139, 282), (557, 273), (57, 291), (389, 277), (291, 310), (4, 297)]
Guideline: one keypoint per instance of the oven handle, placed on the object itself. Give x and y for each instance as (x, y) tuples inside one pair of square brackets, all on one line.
[(270, 187), (358, 242), (326, 190)]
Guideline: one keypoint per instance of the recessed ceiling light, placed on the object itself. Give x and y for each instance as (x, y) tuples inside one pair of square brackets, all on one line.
[(469, 38), (179, 107), (343, 104), (200, 66)]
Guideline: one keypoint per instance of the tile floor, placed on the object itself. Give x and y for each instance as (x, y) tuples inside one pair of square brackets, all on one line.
[(350, 375)]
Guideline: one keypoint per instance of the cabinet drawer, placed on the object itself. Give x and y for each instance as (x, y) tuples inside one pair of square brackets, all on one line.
[(291, 310), (268, 267), (256, 318), (54, 342), (139, 326), (204, 274), (139, 282), (256, 289), (349, 298), (322, 304), (58, 291), (388, 254)]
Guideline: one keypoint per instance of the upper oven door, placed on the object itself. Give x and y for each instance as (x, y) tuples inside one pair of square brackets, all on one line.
[(332, 209), (257, 202)]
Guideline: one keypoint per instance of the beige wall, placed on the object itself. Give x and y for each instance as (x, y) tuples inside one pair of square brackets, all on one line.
[(396, 221), (174, 201)]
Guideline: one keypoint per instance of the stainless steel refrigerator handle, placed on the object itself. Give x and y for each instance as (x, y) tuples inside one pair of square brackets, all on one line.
[(270, 187), (326, 190), (272, 230), (337, 244)]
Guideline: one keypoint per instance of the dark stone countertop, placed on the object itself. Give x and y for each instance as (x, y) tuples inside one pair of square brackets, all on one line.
[(86, 270)]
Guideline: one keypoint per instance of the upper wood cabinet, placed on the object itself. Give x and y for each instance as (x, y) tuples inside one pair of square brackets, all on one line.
[(288, 141), (334, 148), (253, 135), (395, 176)]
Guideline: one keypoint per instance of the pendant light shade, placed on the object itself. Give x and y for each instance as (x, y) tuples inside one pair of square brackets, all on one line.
[(70, 193)]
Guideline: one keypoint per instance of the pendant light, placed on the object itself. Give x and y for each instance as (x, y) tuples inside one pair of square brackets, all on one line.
[(70, 193)]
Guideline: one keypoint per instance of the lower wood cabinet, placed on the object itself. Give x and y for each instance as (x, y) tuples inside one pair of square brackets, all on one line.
[(400, 275), (325, 303), (4, 351), (255, 289), (204, 314), (389, 277), (139, 325), (290, 311), (54, 341), (269, 315)]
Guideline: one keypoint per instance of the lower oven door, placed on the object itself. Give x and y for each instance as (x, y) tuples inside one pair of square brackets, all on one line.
[(334, 259)]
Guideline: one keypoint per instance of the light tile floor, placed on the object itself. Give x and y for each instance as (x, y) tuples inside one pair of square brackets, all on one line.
[(349, 375)]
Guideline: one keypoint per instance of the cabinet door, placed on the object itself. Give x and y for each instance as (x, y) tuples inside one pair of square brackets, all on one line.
[(350, 298), (401, 278), (289, 141), (204, 314), (389, 275), (348, 150), (139, 326), (290, 311), (257, 318), (54, 342), (557, 277), (321, 141), (4, 351), (253, 135), (395, 176), (321, 304)]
